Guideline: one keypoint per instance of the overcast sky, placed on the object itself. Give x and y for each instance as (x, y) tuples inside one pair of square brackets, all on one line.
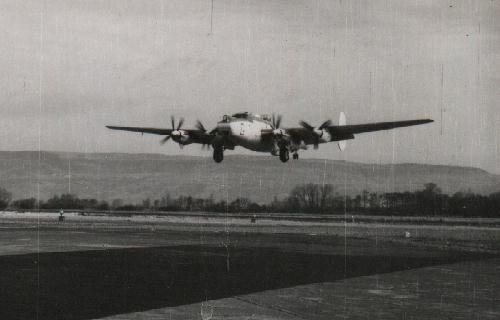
[(68, 68)]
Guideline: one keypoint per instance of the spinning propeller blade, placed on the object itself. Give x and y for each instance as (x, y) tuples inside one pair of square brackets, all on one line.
[(172, 121), (181, 122), (325, 124), (164, 140), (200, 126), (276, 121), (306, 125), (314, 131)]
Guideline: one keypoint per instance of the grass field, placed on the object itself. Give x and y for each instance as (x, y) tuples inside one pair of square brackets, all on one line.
[(459, 233)]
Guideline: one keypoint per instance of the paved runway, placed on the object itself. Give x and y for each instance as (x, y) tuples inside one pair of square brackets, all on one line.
[(455, 291), (86, 271)]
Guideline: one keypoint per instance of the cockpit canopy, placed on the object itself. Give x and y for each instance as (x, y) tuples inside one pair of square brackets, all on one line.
[(265, 117), (240, 115), (246, 115)]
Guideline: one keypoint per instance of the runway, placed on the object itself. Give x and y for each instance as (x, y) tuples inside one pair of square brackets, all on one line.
[(87, 268)]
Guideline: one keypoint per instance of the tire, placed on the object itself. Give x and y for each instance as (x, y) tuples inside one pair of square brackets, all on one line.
[(284, 155), (218, 155)]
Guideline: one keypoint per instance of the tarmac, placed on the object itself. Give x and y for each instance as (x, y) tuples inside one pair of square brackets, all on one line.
[(126, 268)]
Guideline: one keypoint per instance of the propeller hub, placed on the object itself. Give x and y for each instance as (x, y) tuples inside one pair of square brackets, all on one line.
[(176, 135), (318, 132), (279, 132)]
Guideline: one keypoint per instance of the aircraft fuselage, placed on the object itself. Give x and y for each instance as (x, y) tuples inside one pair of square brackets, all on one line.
[(246, 129), (247, 133)]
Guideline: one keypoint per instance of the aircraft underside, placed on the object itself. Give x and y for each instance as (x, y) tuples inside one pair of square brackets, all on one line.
[(274, 147), (283, 153)]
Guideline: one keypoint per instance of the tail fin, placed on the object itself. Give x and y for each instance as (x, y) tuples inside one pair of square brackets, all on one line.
[(342, 122)]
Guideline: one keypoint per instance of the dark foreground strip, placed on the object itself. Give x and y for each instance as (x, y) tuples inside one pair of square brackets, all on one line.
[(93, 284)]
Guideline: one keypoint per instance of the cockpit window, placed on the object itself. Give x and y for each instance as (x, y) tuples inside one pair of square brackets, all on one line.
[(225, 118), (241, 115)]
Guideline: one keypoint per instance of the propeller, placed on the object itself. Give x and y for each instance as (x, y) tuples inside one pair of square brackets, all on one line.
[(325, 124), (175, 130), (317, 133), (201, 127), (164, 140), (179, 125), (276, 123)]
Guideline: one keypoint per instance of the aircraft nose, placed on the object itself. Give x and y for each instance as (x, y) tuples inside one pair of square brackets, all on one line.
[(233, 128)]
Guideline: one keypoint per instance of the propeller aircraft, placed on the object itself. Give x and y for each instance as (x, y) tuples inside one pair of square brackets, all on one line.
[(264, 133)]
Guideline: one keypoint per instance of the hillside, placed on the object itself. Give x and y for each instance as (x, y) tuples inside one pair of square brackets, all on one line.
[(138, 176)]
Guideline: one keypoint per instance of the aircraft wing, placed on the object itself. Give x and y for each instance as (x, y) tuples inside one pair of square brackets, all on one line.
[(161, 132), (197, 136), (348, 131)]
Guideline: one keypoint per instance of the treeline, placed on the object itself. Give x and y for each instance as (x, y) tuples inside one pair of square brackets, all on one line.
[(307, 198), (429, 201)]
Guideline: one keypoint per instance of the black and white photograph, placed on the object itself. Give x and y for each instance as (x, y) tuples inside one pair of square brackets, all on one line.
[(249, 159)]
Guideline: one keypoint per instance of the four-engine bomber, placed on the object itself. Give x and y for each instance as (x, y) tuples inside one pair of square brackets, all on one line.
[(264, 133)]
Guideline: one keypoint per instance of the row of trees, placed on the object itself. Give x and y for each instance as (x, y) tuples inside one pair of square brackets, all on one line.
[(65, 201), (430, 201), (307, 198)]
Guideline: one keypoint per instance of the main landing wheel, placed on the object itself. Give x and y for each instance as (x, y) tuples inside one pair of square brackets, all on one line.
[(218, 154), (295, 156), (284, 155)]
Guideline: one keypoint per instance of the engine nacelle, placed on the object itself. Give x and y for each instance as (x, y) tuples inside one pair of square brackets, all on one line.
[(278, 133), (181, 137), (325, 136), (295, 146)]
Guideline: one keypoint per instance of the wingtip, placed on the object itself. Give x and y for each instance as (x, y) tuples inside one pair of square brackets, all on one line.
[(424, 121)]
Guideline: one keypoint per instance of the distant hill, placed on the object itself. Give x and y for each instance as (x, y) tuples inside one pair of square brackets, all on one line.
[(134, 177)]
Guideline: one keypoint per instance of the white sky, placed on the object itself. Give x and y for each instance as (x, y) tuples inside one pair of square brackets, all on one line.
[(67, 68)]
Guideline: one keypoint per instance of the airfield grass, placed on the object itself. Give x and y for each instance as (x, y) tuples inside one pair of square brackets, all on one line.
[(470, 234)]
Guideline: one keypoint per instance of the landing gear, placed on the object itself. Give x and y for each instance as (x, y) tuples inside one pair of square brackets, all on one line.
[(284, 154), (218, 154), (295, 156)]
